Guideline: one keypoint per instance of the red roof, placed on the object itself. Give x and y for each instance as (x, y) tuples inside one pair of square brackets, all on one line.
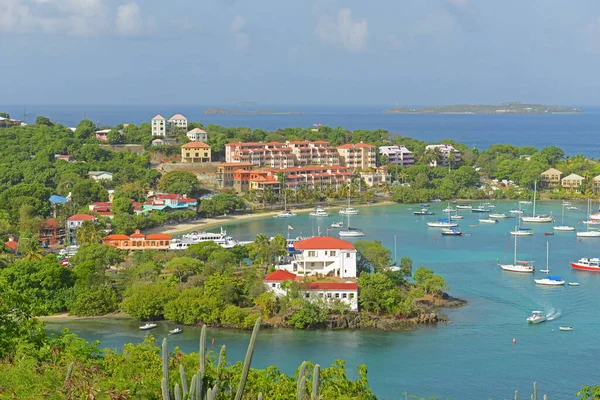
[(333, 286), (346, 146), (234, 164), (323, 243), (81, 217), (137, 234), (195, 145), (158, 236), (280, 275), (364, 145), (49, 223), (13, 245), (116, 237)]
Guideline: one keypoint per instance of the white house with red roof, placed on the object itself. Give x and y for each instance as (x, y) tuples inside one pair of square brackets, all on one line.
[(330, 291), (75, 221), (322, 255), (197, 135), (12, 244), (159, 126)]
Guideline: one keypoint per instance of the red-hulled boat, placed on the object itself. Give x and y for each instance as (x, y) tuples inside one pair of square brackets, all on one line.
[(587, 264)]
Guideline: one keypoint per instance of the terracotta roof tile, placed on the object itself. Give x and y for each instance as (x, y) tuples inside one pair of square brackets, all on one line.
[(280, 275), (323, 243)]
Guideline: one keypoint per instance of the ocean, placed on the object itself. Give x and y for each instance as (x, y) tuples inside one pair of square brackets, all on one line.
[(574, 133)]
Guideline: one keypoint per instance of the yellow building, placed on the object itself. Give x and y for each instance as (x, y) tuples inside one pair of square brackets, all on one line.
[(572, 182), (195, 152), (551, 178)]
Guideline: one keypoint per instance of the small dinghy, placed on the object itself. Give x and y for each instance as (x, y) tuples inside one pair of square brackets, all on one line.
[(175, 331), (147, 326), (573, 283), (488, 221), (549, 233), (566, 328)]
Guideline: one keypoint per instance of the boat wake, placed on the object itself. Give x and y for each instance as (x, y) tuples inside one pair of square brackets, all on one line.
[(553, 314)]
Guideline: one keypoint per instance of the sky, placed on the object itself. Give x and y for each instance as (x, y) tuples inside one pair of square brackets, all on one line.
[(310, 52)]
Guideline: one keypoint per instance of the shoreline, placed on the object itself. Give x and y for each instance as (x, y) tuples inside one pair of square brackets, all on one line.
[(205, 223)]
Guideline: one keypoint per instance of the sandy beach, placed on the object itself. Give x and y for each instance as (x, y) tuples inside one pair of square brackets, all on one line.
[(67, 317), (205, 223)]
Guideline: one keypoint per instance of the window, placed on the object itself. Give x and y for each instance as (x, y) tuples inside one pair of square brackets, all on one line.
[(337, 295), (325, 252), (328, 295), (307, 295), (351, 295), (312, 253), (273, 285), (347, 255), (312, 264), (344, 295), (332, 253)]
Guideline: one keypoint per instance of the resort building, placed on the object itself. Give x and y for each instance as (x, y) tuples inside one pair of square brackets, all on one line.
[(310, 153), (445, 151), (271, 154), (12, 244), (51, 232), (139, 241), (178, 123), (225, 172), (9, 123), (170, 202), (322, 255), (379, 177), (551, 178), (159, 126), (104, 208), (75, 221), (330, 291), (357, 156), (100, 175), (197, 135), (195, 152), (397, 155), (572, 182), (596, 184)]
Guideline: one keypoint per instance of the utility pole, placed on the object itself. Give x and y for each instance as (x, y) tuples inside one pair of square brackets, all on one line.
[(25, 115)]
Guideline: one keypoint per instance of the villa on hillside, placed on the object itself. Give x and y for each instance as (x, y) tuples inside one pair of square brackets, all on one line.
[(445, 150), (197, 135), (596, 184), (330, 291), (397, 155), (178, 122), (195, 152), (12, 244), (51, 232), (75, 221), (139, 241), (322, 255), (572, 182), (550, 178), (168, 202), (100, 175), (379, 177), (163, 127)]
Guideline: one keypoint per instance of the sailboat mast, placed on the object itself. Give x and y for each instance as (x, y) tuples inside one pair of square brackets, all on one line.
[(547, 252), (395, 252), (515, 257), (534, 196), (562, 222)]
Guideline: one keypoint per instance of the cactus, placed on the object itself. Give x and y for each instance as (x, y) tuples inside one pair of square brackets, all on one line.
[(545, 397), (165, 378), (222, 357), (199, 384), (315, 384), (260, 396), (184, 384), (248, 360), (534, 396), (164, 385), (193, 388), (177, 392), (69, 372), (516, 395), (301, 383)]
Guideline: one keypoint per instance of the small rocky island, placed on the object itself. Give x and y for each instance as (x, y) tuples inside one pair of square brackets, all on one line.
[(223, 111), (505, 108)]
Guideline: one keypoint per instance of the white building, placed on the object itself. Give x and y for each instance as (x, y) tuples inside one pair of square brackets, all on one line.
[(345, 292), (445, 150), (178, 121), (379, 177), (197, 135), (323, 255), (100, 175), (397, 155), (159, 126), (75, 221)]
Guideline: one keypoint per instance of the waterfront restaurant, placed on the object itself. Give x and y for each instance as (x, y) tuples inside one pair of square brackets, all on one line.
[(139, 241)]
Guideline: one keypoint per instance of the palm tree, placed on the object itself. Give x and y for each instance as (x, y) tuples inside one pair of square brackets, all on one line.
[(451, 159), (89, 233), (30, 248)]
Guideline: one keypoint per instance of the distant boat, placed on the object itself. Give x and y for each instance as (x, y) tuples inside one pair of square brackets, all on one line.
[(350, 231), (456, 216), (424, 205), (464, 206), (516, 212), (442, 223), (587, 264), (480, 209), (500, 216), (587, 233), (145, 327), (565, 328), (572, 208), (337, 224), (319, 212), (521, 232), (488, 221), (424, 211), (524, 202), (175, 331), (573, 283), (549, 280), (348, 210), (518, 266), (451, 232), (562, 227), (537, 317), (536, 218), (549, 233), (285, 213)]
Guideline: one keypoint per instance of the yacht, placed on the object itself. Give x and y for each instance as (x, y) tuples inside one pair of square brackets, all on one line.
[(518, 231), (536, 218), (451, 232), (464, 206), (319, 212), (518, 266), (536, 317), (562, 227), (442, 223), (549, 280), (145, 327), (587, 264), (424, 211), (587, 233), (488, 221), (221, 238), (351, 232)]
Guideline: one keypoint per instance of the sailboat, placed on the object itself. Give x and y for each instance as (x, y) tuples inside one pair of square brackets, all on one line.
[(285, 213), (536, 218), (518, 266), (518, 231), (549, 280), (562, 227), (587, 232), (443, 223), (350, 231), (348, 210)]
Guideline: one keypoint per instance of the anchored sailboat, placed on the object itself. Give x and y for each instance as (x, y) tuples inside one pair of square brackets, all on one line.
[(537, 218), (518, 266)]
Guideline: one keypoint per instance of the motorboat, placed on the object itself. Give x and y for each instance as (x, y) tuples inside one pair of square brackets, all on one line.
[(488, 221), (319, 212), (524, 202), (175, 331), (572, 208), (549, 280), (591, 222), (456, 216), (587, 264), (348, 210), (488, 205), (221, 238), (145, 327), (424, 211), (565, 328), (562, 227), (480, 209), (285, 214), (573, 283), (516, 211), (352, 232), (464, 206), (451, 232), (537, 218), (537, 317), (521, 232), (448, 209), (518, 266), (424, 205), (337, 224), (566, 203), (442, 223), (548, 233), (494, 215)]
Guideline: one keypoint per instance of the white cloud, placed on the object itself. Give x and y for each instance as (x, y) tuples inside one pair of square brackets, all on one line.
[(241, 39), (70, 17), (342, 31)]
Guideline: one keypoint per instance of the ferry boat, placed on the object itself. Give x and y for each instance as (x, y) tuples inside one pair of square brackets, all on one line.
[(221, 238), (587, 264), (537, 317)]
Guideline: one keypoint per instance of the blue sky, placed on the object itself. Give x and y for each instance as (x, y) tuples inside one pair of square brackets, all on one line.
[(299, 51)]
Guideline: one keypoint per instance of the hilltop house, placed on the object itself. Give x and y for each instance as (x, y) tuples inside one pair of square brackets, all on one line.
[(197, 135), (139, 241), (178, 122), (572, 182), (159, 126), (101, 135), (195, 152), (322, 255), (345, 292), (550, 178), (12, 244), (100, 175), (75, 221)]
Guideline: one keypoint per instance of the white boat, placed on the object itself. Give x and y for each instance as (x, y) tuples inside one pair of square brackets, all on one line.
[(536, 218), (549, 280), (565, 328), (524, 202), (573, 283), (516, 212), (337, 224), (319, 212), (464, 206), (442, 223), (175, 331), (285, 213), (494, 215), (562, 227), (451, 232), (537, 317), (518, 266), (221, 238), (521, 232), (348, 210), (587, 233), (145, 327), (572, 208), (456, 216), (448, 209), (480, 209), (566, 203), (488, 221), (488, 205), (350, 231)]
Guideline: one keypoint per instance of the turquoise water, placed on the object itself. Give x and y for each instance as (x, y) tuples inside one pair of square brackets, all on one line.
[(472, 357)]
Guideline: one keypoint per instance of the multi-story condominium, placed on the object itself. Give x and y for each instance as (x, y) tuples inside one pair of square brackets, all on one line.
[(314, 153), (550, 178), (159, 126), (197, 135), (397, 155), (225, 172), (445, 151), (271, 154), (379, 177), (178, 122), (357, 156), (195, 152), (572, 182)]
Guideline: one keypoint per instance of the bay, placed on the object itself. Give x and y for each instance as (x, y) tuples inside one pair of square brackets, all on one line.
[(472, 357), (574, 133)]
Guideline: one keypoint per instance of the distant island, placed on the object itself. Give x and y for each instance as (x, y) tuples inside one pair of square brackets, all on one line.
[(505, 108), (225, 111)]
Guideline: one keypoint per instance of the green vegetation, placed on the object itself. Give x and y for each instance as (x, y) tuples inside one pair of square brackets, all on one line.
[(504, 108)]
